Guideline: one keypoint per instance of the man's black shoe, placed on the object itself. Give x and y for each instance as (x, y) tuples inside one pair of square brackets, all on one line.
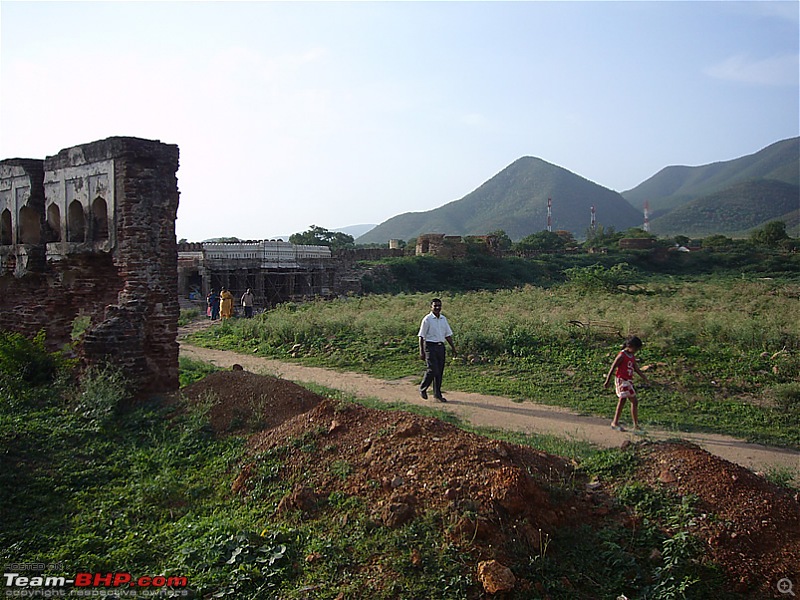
[(423, 394), (441, 399)]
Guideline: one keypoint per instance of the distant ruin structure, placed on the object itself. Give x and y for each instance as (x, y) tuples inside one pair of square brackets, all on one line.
[(88, 237), (455, 246), (274, 270)]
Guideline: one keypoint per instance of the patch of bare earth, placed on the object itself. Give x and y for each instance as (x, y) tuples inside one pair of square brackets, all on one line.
[(497, 495), (750, 527)]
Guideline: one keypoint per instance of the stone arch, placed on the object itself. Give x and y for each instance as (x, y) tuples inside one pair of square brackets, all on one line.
[(76, 222), (53, 223), (6, 239), (30, 226), (99, 219)]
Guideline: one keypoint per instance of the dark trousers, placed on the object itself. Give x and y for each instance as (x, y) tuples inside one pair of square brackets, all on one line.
[(434, 359)]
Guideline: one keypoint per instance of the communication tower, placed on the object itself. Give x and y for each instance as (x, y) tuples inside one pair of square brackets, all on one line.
[(549, 214), (646, 226), (593, 224)]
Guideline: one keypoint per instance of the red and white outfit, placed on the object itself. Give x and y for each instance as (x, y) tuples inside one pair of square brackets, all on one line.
[(623, 378)]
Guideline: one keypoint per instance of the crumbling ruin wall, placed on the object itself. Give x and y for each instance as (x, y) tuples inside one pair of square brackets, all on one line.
[(90, 233)]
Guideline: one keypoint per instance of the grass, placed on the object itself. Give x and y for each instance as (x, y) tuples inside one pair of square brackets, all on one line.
[(102, 484), (98, 487), (723, 354)]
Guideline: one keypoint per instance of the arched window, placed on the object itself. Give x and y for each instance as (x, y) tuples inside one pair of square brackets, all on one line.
[(30, 226), (99, 219), (76, 223), (6, 238), (53, 223)]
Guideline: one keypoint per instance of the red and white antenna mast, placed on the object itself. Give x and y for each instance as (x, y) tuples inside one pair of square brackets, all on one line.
[(646, 216), (593, 224), (549, 214)]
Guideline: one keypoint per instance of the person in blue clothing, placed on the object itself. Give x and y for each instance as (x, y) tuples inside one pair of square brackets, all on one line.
[(434, 331), (213, 305)]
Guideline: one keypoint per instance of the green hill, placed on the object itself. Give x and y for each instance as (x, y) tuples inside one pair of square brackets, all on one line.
[(733, 211), (676, 186), (515, 200)]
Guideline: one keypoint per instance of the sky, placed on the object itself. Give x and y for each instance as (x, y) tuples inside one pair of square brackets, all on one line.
[(292, 114)]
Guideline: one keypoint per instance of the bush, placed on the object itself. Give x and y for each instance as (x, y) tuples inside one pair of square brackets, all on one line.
[(597, 277), (26, 360), (787, 396), (102, 390)]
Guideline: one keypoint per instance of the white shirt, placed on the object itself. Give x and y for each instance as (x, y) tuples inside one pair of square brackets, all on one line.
[(434, 330)]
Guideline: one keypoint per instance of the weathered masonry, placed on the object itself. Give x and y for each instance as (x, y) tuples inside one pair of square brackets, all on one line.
[(88, 237), (275, 271)]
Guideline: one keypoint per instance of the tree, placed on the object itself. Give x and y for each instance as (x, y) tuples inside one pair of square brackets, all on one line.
[(682, 240), (771, 234), (638, 232), (601, 237), (504, 242), (319, 236), (544, 241), (716, 241)]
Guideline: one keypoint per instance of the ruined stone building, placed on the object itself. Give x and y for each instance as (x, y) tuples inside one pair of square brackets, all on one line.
[(274, 270), (88, 236), (455, 246)]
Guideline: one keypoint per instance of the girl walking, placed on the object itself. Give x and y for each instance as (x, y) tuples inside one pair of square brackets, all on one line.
[(623, 368)]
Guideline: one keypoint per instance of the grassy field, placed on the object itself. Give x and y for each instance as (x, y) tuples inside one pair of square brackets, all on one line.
[(723, 354), (92, 486), (93, 482)]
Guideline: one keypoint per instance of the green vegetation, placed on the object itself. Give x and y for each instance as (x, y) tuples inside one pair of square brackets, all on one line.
[(675, 186), (95, 487), (722, 353), (740, 207), (99, 481), (319, 236)]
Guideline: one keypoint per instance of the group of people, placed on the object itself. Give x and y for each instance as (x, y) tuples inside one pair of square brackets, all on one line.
[(435, 331), (220, 306)]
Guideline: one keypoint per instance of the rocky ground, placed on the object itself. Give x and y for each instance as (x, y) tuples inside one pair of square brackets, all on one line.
[(404, 464)]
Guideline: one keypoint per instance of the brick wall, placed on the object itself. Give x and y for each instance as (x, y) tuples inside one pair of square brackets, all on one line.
[(107, 252)]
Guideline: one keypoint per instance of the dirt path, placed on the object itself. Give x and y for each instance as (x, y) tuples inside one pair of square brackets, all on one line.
[(500, 413)]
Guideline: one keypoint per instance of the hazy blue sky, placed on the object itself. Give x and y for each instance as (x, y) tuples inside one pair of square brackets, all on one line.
[(336, 114)]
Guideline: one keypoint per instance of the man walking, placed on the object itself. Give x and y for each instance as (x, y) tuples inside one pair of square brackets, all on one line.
[(248, 299), (433, 333)]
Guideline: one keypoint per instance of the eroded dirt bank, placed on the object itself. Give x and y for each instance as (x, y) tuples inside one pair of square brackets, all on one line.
[(502, 413)]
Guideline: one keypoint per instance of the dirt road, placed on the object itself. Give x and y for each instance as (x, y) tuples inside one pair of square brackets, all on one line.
[(501, 413)]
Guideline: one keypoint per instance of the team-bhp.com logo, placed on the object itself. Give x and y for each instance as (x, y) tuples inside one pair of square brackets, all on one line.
[(88, 584)]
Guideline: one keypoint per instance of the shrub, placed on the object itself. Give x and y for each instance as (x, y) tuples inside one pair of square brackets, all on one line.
[(787, 396), (26, 360), (597, 277)]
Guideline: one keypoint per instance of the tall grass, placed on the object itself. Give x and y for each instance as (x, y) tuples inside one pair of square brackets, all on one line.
[(716, 347)]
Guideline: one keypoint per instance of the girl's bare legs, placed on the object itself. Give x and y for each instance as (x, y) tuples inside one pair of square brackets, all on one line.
[(618, 412), (635, 411)]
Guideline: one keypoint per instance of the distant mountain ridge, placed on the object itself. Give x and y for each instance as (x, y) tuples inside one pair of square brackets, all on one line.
[(515, 200), (729, 197), (356, 230), (677, 185), (734, 210)]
